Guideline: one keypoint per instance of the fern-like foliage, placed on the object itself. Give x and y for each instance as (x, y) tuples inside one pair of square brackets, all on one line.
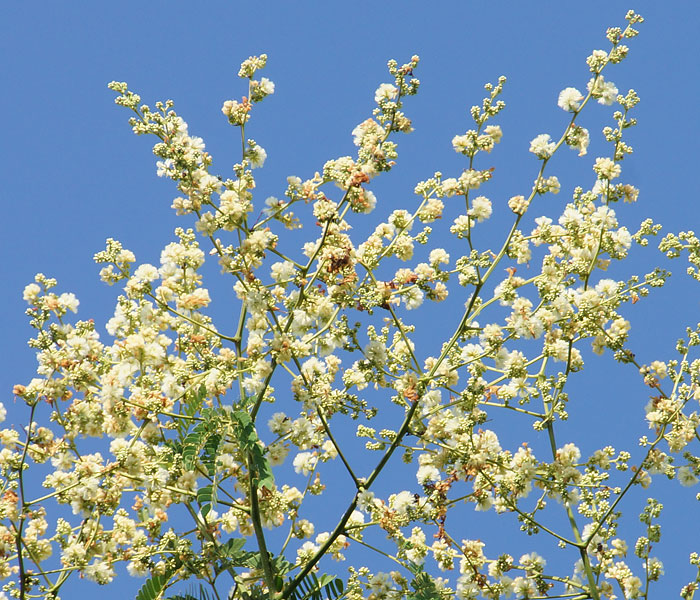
[(247, 436), (318, 588), (231, 554), (191, 404), (153, 587), (423, 585), (202, 444), (204, 437), (201, 594)]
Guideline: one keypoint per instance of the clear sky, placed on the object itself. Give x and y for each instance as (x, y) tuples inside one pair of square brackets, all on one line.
[(73, 174)]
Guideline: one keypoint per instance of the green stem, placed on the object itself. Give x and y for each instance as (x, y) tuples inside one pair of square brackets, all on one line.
[(327, 429), (257, 526), (23, 507)]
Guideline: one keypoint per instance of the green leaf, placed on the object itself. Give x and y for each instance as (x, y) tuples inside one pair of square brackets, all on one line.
[(265, 476), (210, 452), (232, 546), (247, 436), (204, 436), (205, 497), (192, 404), (423, 584), (281, 565), (192, 444), (232, 554), (312, 588), (203, 595), (153, 587), (248, 440)]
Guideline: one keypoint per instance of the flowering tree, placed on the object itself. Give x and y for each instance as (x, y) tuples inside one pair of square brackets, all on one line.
[(195, 480)]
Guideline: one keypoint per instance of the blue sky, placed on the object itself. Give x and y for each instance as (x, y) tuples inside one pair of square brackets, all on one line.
[(73, 173)]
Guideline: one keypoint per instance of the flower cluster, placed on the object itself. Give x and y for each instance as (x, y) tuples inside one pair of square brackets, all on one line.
[(244, 430)]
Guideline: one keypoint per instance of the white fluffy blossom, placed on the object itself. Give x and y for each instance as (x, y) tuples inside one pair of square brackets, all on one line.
[(385, 92), (570, 99), (606, 168), (305, 462), (542, 146), (604, 91), (686, 476), (481, 208)]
